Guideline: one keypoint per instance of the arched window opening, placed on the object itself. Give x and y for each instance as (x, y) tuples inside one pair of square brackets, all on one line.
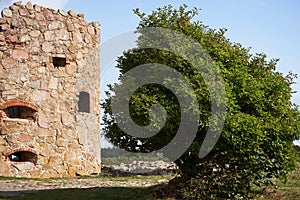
[(23, 156), (19, 109), (84, 102), (21, 112)]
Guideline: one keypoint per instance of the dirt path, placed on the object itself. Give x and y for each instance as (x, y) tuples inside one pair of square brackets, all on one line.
[(16, 187)]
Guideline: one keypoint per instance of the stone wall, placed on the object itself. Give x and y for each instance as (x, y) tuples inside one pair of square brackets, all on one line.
[(47, 59), (158, 167)]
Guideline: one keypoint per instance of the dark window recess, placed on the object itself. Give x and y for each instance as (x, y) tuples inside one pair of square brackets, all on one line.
[(59, 61), (23, 156), (84, 102), (21, 112)]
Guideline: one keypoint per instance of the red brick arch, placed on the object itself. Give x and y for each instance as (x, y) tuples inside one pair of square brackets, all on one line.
[(24, 103)]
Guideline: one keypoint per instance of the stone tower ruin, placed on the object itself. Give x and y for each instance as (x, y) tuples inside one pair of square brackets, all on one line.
[(49, 93)]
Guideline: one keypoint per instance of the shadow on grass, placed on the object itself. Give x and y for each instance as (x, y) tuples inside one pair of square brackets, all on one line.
[(107, 193)]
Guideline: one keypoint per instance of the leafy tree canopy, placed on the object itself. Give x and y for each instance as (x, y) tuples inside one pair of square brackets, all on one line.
[(256, 143)]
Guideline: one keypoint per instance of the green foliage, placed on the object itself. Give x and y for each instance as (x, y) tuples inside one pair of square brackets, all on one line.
[(256, 144)]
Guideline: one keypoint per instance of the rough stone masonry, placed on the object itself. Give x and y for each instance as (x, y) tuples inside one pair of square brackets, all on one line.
[(49, 93)]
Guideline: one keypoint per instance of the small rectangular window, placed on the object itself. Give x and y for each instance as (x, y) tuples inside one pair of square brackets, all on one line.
[(84, 102), (59, 61)]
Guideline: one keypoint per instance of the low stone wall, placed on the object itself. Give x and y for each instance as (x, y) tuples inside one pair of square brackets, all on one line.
[(141, 168)]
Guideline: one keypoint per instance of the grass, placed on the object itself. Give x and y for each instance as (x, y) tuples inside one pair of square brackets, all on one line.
[(292, 187), (289, 190), (285, 191)]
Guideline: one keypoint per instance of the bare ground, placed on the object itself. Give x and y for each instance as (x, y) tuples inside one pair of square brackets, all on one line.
[(18, 187)]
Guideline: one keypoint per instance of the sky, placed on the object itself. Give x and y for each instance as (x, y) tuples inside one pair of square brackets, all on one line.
[(268, 26)]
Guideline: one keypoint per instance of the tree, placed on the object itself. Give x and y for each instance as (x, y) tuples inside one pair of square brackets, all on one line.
[(261, 122)]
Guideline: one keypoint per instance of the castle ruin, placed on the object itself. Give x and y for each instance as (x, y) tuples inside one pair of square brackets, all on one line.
[(49, 93)]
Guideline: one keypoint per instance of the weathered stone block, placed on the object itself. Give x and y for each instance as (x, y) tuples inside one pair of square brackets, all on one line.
[(35, 173), (73, 170), (67, 119), (55, 160), (34, 34), (4, 168), (6, 13), (23, 12), (21, 166), (23, 137), (29, 5), (12, 39), (63, 12), (20, 54), (72, 13), (43, 120), (53, 83), (47, 47)]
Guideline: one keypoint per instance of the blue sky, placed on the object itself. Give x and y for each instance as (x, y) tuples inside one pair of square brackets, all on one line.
[(269, 26)]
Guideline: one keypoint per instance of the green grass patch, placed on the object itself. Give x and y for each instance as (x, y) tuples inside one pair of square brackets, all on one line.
[(289, 190)]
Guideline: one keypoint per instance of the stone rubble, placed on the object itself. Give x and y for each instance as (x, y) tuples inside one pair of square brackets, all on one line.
[(142, 168)]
